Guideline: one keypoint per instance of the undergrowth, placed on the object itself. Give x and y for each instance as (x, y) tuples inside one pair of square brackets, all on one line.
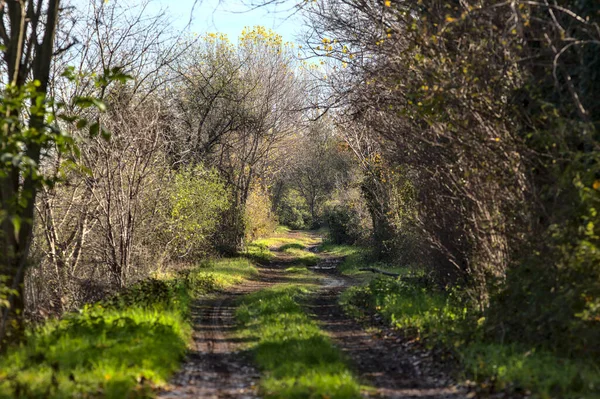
[(122, 347), (442, 318), (298, 359)]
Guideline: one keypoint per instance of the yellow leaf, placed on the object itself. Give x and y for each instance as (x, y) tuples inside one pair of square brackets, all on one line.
[(388, 3), (596, 185)]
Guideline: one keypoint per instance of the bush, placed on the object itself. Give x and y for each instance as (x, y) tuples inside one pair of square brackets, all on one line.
[(345, 224), (259, 218), (197, 200), (293, 211)]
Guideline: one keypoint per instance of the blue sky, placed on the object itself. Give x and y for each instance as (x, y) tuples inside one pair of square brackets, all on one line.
[(230, 17)]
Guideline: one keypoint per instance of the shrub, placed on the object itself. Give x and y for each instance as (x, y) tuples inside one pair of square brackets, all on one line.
[(345, 224), (293, 211), (197, 200), (259, 218)]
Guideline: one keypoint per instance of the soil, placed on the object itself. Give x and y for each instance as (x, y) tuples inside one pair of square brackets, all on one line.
[(218, 367)]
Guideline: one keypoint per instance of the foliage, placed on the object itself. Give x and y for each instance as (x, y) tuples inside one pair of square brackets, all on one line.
[(344, 223), (197, 199), (293, 211), (237, 103), (29, 131), (259, 219), (298, 359), (476, 126)]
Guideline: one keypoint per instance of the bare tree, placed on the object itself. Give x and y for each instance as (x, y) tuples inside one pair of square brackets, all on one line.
[(241, 102)]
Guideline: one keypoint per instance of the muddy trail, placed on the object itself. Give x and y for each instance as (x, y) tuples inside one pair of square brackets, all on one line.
[(217, 365)]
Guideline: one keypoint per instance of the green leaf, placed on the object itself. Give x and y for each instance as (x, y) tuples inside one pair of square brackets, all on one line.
[(16, 222), (81, 123), (87, 102), (94, 129), (67, 118)]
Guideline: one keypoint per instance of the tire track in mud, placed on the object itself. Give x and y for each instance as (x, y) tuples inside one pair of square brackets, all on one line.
[(395, 367), (217, 365)]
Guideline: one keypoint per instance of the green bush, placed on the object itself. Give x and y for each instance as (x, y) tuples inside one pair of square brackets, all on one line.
[(197, 200), (345, 224), (293, 211), (259, 218)]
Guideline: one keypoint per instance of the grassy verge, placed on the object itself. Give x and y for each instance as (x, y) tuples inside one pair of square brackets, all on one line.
[(297, 359), (440, 318), (302, 257), (118, 348), (259, 252), (355, 258), (278, 240)]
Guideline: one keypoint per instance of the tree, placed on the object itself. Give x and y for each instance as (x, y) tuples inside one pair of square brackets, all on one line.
[(27, 34), (237, 103)]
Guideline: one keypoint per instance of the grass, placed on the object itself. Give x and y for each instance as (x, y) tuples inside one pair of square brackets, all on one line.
[(297, 358), (297, 239), (440, 318), (355, 258), (302, 257), (297, 270), (282, 229), (514, 367), (121, 347), (213, 275), (293, 245), (259, 252)]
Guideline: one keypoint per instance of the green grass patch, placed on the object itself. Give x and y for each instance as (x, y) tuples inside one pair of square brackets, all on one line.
[(115, 349), (293, 245), (513, 367), (297, 359), (259, 252), (119, 348), (282, 229), (297, 270), (442, 318), (356, 257), (213, 275), (295, 238), (303, 257)]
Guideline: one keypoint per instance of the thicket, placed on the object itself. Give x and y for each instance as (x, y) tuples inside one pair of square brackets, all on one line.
[(475, 126)]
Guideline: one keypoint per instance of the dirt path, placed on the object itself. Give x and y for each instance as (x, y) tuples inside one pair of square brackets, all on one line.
[(218, 367), (394, 366)]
